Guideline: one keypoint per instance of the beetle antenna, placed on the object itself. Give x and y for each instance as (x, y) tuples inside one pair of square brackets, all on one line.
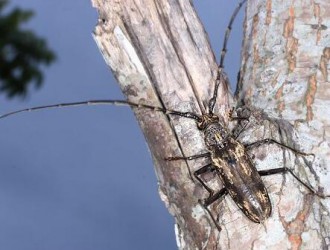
[(220, 73), (107, 102)]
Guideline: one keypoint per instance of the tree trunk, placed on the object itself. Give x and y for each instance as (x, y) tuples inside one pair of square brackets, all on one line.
[(160, 55), (284, 72)]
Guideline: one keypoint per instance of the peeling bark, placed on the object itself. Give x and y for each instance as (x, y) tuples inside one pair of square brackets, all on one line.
[(161, 56)]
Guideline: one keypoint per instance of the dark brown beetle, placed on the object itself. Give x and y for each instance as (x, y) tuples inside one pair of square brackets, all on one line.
[(229, 157)]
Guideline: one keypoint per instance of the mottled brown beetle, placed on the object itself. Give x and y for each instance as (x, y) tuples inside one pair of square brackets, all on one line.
[(240, 178), (229, 157)]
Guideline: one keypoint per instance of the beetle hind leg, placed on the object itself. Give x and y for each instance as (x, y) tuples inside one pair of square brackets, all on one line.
[(207, 202), (212, 197), (286, 170), (272, 141)]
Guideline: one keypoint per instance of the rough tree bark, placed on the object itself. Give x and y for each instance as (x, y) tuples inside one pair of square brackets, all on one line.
[(160, 55)]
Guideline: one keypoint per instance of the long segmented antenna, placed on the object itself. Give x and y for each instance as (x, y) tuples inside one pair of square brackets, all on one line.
[(107, 102), (131, 104), (222, 58)]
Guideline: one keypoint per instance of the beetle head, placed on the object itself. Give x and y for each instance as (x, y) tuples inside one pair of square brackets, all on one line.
[(206, 120)]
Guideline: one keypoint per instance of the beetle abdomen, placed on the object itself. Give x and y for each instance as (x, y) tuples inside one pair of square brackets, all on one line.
[(242, 180)]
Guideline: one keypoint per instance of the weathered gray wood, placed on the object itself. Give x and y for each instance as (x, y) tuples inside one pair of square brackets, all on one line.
[(160, 55)]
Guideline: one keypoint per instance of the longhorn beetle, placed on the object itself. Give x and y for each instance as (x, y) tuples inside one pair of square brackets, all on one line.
[(229, 157)]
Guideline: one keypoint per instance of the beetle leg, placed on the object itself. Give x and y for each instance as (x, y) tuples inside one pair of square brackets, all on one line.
[(285, 170), (242, 121), (239, 128), (272, 141), (206, 169), (212, 199), (176, 158), (217, 196)]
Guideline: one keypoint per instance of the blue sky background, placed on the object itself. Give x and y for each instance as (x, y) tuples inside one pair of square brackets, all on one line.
[(71, 178)]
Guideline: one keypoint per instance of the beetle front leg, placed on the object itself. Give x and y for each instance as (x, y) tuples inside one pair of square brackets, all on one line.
[(241, 114), (242, 121)]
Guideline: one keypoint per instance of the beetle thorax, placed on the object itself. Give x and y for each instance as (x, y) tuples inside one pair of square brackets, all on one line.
[(206, 120), (215, 135)]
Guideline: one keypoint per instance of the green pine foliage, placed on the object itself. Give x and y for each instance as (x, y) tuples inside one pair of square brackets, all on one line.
[(22, 53)]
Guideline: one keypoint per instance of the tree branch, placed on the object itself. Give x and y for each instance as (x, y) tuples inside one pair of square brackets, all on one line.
[(160, 55)]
